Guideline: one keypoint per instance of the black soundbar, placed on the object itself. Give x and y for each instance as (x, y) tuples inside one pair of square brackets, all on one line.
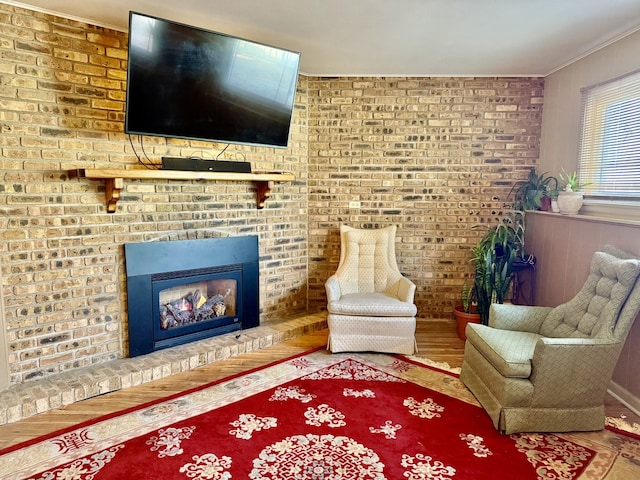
[(202, 165)]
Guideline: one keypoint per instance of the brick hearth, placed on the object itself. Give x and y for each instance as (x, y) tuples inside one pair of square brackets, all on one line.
[(38, 396)]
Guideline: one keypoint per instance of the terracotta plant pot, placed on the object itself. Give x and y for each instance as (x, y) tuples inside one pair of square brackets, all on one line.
[(462, 318), (545, 204)]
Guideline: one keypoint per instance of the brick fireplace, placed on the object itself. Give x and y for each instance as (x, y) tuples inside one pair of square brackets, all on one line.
[(187, 290)]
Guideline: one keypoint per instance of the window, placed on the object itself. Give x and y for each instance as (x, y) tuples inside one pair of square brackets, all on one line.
[(609, 155)]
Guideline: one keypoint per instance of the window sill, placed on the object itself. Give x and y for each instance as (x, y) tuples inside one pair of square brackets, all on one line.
[(595, 215)]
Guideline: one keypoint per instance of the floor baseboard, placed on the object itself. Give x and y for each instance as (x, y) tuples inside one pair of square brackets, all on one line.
[(625, 397)]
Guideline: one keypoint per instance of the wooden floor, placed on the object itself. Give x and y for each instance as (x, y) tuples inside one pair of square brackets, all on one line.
[(437, 340)]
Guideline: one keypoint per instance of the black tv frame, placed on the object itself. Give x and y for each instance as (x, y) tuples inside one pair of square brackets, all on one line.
[(197, 92)]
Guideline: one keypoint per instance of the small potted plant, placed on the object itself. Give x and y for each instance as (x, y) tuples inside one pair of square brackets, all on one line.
[(533, 193), (570, 197), (553, 194), (466, 311)]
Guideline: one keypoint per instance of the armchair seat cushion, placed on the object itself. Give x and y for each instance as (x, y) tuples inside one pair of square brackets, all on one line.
[(371, 304), (509, 352)]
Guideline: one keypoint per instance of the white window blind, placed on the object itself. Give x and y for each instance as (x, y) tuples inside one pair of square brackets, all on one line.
[(610, 138)]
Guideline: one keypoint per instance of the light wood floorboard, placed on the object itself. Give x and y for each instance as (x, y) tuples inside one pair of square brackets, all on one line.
[(437, 340)]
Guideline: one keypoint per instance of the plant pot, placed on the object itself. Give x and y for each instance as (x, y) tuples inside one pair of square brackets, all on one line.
[(545, 204), (570, 203), (462, 318)]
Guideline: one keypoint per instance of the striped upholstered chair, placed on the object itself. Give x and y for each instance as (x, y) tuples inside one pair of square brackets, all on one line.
[(540, 369), (370, 303)]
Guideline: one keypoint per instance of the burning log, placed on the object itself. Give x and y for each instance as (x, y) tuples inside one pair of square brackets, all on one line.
[(191, 308)]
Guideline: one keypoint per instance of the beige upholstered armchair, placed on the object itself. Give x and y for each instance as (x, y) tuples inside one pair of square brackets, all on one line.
[(540, 369), (370, 303)]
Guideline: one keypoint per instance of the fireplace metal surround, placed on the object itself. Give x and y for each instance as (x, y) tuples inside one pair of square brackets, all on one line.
[(154, 266)]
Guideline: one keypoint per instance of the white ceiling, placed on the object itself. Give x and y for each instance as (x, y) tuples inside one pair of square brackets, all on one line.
[(394, 37)]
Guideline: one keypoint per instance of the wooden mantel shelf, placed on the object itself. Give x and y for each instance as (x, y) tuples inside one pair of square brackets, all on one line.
[(114, 180)]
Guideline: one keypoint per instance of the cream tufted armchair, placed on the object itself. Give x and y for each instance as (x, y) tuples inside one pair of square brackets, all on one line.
[(540, 369), (370, 303)]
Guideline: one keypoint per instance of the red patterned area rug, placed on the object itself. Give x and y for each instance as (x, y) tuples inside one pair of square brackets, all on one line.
[(320, 416)]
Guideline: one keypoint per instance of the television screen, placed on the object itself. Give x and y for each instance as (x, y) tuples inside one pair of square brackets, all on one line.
[(187, 82)]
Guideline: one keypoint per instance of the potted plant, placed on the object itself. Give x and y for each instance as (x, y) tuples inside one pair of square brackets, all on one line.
[(570, 197), (553, 194), (467, 310), (534, 192), (493, 259)]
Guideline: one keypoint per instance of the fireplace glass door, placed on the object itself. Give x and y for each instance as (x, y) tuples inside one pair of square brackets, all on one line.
[(186, 305)]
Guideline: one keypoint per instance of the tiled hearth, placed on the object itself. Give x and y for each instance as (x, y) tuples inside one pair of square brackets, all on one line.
[(27, 399)]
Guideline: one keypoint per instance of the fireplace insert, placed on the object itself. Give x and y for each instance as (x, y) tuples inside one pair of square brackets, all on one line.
[(182, 291)]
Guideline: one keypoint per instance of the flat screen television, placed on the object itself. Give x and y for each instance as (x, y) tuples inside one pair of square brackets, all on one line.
[(188, 82)]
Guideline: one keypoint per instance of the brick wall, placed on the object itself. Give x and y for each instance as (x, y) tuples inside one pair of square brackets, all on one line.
[(435, 156), (62, 94)]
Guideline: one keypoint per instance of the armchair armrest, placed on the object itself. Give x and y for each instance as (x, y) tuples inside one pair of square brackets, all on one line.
[(520, 318), (332, 287), (406, 290), (572, 371)]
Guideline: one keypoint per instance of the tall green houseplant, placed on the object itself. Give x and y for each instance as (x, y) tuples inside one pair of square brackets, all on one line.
[(493, 259)]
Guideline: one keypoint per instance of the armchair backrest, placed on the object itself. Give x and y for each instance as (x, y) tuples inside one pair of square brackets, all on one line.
[(368, 260), (607, 304), (631, 309)]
